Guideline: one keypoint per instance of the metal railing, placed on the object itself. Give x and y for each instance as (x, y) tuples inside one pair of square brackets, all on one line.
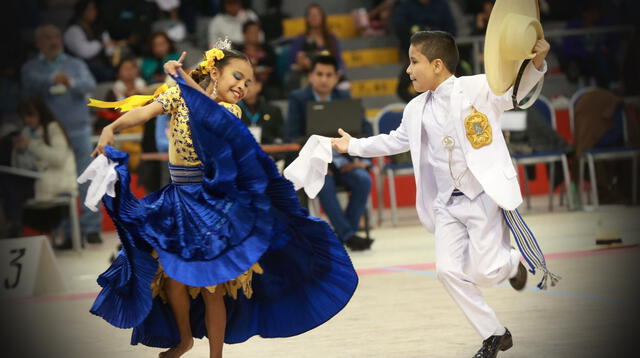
[(124, 137), (476, 42)]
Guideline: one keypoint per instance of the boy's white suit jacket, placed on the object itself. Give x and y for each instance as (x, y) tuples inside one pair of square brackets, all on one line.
[(490, 164)]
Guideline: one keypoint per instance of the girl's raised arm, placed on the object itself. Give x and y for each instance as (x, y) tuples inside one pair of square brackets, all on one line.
[(173, 68)]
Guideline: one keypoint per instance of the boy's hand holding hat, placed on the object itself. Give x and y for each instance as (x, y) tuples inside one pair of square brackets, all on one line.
[(514, 35)]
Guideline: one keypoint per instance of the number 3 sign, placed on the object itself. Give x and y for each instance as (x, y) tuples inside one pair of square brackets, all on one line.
[(28, 268)]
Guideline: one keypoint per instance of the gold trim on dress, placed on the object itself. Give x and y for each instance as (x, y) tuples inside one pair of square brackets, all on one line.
[(478, 129), (229, 288)]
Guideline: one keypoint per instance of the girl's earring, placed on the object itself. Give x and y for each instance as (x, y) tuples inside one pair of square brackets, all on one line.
[(214, 93)]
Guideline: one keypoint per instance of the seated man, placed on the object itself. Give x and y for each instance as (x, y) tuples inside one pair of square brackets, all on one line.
[(344, 170), (263, 119)]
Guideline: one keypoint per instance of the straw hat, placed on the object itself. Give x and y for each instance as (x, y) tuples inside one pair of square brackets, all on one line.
[(512, 31)]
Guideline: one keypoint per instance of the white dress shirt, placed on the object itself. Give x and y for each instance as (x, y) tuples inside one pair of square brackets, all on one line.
[(437, 126)]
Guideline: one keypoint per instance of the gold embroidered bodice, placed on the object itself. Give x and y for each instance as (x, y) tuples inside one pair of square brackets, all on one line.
[(181, 151)]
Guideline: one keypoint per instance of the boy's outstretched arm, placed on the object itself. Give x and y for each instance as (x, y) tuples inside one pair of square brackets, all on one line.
[(377, 146), (341, 144)]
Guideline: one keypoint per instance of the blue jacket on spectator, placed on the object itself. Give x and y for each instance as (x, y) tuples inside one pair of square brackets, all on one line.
[(70, 107), (357, 181), (297, 119)]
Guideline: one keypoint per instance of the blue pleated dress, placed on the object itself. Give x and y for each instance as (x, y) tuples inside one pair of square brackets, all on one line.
[(212, 224)]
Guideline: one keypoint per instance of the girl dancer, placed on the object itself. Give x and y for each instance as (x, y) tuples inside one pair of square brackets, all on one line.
[(225, 250)]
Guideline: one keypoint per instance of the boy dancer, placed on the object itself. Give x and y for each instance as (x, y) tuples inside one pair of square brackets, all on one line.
[(464, 175)]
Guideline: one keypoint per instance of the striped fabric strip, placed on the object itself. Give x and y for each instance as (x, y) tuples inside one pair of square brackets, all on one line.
[(186, 175), (529, 248), (191, 180)]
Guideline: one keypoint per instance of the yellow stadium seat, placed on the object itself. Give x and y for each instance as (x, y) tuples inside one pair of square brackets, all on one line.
[(371, 57), (341, 25), (374, 87)]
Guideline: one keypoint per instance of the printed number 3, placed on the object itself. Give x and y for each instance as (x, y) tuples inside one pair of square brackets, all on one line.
[(20, 253)]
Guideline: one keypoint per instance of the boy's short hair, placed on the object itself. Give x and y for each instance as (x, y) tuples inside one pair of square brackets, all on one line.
[(437, 44), (325, 59)]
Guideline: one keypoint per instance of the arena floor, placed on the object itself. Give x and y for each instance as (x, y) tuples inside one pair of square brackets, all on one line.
[(400, 310)]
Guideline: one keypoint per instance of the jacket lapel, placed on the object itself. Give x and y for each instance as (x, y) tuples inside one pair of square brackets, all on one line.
[(456, 115)]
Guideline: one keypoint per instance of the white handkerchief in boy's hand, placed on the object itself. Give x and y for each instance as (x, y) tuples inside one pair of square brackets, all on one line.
[(103, 176), (310, 168)]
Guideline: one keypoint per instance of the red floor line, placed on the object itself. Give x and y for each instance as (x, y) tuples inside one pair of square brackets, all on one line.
[(361, 272), (553, 256)]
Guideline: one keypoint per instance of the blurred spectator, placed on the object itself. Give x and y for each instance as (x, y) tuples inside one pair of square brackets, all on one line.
[(590, 59), (161, 50), (45, 141), (376, 21), (129, 83), (262, 57), (264, 120), (272, 20), (191, 10), (482, 18), (411, 16), (170, 23), (153, 174), (41, 146), (317, 38), (229, 22), (344, 170), (128, 20), (86, 39), (63, 82)]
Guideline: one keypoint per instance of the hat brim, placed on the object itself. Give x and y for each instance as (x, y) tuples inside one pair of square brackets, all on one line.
[(501, 73)]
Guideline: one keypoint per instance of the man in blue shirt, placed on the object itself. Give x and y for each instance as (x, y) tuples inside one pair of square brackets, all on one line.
[(344, 170), (64, 83)]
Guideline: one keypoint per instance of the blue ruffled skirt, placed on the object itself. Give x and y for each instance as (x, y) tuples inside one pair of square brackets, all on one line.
[(241, 212)]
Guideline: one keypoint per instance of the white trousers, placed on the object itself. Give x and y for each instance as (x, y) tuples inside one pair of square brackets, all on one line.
[(473, 249)]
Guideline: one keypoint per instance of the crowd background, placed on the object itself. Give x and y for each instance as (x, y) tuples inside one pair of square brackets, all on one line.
[(57, 53)]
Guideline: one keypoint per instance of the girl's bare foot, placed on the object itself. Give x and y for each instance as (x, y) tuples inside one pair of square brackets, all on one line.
[(177, 351)]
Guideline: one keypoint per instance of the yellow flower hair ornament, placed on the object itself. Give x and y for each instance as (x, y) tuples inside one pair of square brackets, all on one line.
[(128, 103), (210, 58)]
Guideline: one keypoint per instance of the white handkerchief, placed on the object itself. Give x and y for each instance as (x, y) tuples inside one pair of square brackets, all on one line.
[(310, 168), (103, 176)]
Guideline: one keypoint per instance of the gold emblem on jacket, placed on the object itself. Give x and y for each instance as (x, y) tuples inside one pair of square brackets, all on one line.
[(478, 129)]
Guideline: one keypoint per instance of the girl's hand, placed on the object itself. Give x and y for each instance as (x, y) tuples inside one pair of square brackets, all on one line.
[(106, 138), (171, 67)]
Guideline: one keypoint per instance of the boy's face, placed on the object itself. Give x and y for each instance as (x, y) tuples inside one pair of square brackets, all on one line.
[(422, 72)]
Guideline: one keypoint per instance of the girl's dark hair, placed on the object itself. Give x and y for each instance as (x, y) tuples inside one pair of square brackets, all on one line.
[(199, 75), (329, 39), (152, 37), (36, 106)]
